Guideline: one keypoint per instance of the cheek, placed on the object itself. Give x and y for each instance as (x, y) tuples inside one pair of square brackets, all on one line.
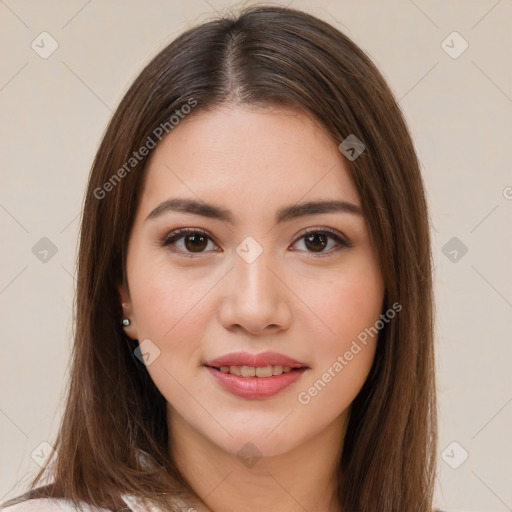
[(167, 302), (173, 308), (346, 306), (172, 313)]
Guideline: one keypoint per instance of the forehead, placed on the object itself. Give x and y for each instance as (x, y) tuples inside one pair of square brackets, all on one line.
[(248, 158)]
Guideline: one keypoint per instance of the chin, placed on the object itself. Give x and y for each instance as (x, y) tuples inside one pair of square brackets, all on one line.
[(252, 446)]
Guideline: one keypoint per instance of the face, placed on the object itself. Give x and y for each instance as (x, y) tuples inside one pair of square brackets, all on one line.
[(252, 273)]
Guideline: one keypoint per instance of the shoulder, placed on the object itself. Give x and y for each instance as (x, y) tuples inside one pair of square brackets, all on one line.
[(47, 505)]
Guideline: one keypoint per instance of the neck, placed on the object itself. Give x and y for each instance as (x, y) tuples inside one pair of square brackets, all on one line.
[(305, 478)]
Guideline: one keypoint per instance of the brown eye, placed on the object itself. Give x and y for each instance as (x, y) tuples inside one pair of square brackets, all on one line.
[(316, 241), (187, 241), (196, 242)]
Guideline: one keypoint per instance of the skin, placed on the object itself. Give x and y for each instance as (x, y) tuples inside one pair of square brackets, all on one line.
[(291, 299)]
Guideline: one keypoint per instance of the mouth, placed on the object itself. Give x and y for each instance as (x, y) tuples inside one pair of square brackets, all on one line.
[(255, 376), (255, 383)]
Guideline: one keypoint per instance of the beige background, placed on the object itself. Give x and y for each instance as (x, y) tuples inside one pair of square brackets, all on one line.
[(54, 111)]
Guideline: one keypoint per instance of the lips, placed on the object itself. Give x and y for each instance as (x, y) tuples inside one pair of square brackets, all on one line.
[(255, 376), (255, 388), (254, 360)]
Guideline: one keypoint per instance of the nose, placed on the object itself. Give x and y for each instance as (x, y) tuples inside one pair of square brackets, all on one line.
[(256, 298)]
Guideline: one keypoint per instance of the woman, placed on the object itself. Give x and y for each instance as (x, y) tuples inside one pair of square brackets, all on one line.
[(254, 323)]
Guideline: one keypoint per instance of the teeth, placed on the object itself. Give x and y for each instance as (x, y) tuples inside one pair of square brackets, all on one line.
[(251, 371), (264, 371), (234, 370), (277, 369), (248, 371)]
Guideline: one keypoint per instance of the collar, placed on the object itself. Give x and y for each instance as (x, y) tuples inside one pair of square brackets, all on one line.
[(135, 504)]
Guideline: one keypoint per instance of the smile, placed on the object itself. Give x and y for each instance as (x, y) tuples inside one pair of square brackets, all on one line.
[(255, 382)]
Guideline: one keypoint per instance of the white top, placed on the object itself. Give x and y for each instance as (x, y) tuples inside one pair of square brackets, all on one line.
[(63, 505), (48, 505)]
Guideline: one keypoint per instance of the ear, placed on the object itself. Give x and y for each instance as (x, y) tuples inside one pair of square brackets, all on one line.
[(127, 312)]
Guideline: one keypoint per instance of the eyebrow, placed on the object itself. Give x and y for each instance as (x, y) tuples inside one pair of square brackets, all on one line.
[(284, 214)]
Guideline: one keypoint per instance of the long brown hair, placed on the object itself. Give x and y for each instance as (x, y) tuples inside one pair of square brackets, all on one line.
[(263, 56)]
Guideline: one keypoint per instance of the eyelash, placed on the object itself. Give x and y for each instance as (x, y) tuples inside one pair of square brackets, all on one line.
[(180, 233)]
